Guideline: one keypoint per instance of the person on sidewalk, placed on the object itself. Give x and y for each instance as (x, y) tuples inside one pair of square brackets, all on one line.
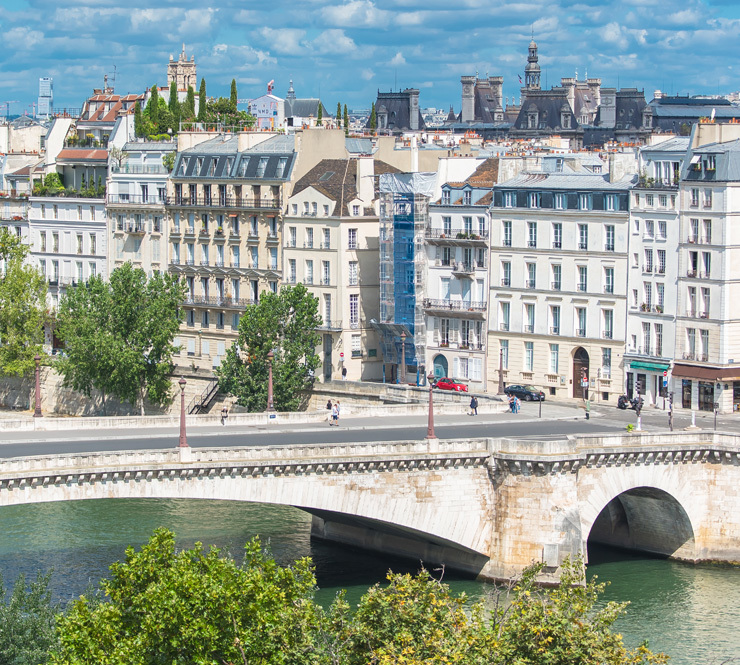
[(344, 373), (512, 403), (334, 415), (224, 414), (473, 406), (338, 412), (517, 404)]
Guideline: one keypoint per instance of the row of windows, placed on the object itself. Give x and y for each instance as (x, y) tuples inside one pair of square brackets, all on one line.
[(556, 236), (219, 256), (71, 245), (50, 270), (554, 327), (218, 222), (69, 213), (529, 279), (554, 358), (309, 238), (561, 200)]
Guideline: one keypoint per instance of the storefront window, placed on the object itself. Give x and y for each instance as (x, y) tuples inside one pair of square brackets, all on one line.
[(706, 396), (686, 394)]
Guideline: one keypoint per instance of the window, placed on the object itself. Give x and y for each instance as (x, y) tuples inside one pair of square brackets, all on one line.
[(353, 273), (309, 238), (326, 244), (707, 198), (92, 269), (327, 309), (355, 210), (606, 363), (42, 267), (155, 251), (660, 289), (661, 230), (531, 234), (647, 291), (273, 258), (648, 267), (505, 273), (555, 320), (42, 239), (467, 225), (635, 297), (693, 231), (447, 226), (694, 197), (704, 313), (467, 197), (354, 310), (55, 242), (352, 238), (482, 227), (559, 201), (505, 313), (325, 272), (584, 201), (706, 231), (690, 353), (531, 275), (580, 321), (661, 262), (528, 356), (534, 199), (610, 202), (608, 319), (582, 278), (446, 196), (446, 256), (609, 238), (663, 201), (557, 235), (636, 227), (706, 261), (608, 280), (506, 233), (582, 236), (704, 345), (505, 353), (326, 210), (649, 229), (529, 318), (356, 346), (254, 257), (649, 200), (309, 271), (291, 271), (554, 353), (235, 256), (292, 235)]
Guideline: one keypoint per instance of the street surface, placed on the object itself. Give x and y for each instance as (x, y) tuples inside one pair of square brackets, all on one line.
[(557, 421)]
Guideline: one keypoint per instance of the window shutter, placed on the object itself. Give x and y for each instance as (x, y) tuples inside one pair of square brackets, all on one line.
[(455, 367)]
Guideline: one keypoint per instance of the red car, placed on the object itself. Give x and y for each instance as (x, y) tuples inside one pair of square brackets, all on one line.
[(450, 384)]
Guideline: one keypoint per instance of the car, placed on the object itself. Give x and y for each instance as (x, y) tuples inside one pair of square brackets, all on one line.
[(527, 393), (450, 384)]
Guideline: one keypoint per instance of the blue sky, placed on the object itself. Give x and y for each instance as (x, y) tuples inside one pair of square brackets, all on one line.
[(345, 51)]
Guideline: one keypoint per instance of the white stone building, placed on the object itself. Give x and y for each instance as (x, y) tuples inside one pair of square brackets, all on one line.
[(653, 270), (558, 280)]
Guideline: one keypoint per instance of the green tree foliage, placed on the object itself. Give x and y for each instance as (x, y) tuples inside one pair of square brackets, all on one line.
[(188, 110), (202, 101), (346, 121), (193, 606), (52, 185), (119, 335), (339, 114), (286, 323), (139, 129), (174, 106), (320, 114), (168, 161), (234, 96), (152, 107), (373, 118), (22, 308), (27, 622)]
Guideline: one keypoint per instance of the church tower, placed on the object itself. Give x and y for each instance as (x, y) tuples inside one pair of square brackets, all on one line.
[(182, 71), (532, 70)]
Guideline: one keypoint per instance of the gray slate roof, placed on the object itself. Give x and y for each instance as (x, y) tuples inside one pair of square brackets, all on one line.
[(563, 181)]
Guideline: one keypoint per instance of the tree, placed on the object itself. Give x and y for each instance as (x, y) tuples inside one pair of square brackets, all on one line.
[(320, 114), (285, 323), (22, 308), (194, 606), (152, 108), (119, 335), (339, 114), (138, 121), (202, 101), (346, 121), (373, 118), (117, 156), (234, 97), (27, 622), (168, 161), (174, 106), (188, 110)]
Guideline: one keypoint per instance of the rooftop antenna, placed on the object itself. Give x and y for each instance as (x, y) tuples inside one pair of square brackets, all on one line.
[(395, 79)]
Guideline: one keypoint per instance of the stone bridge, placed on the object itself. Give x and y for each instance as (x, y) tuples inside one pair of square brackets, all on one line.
[(483, 506)]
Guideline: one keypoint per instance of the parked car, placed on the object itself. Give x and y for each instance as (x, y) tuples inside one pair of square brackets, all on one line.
[(527, 393), (450, 384)]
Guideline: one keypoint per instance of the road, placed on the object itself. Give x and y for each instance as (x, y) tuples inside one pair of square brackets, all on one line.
[(557, 420)]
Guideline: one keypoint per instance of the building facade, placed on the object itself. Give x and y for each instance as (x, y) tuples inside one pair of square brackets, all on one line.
[(558, 282)]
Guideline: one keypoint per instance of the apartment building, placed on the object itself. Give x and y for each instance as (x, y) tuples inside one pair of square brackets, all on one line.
[(707, 366), (456, 305), (653, 270), (67, 237), (225, 221), (558, 280), (330, 244), (136, 198)]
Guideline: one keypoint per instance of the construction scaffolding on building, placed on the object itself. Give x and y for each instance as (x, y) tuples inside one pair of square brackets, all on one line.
[(404, 215)]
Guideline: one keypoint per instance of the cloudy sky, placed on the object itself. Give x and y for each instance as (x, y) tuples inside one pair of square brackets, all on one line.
[(345, 51)]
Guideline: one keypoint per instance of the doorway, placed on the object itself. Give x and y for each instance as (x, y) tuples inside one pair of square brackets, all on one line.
[(441, 368), (580, 365)]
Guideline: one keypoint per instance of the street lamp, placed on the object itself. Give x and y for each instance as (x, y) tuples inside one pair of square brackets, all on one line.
[(430, 423), (270, 406), (37, 408), (183, 435), (402, 378), (501, 371)]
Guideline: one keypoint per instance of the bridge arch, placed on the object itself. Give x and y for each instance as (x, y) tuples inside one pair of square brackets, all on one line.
[(645, 519)]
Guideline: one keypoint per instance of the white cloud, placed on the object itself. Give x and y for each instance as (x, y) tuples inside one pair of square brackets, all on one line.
[(22, 38), (334, 41), (196, 22), (613, 33), (239, 57), (397, 60), (356, 14), (146, 19), (367, 74), (287, 41)]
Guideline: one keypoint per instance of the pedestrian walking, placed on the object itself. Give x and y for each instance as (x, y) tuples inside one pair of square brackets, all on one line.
[(334, 415), (338, 412), (517, 404), (224, 414), (473, 406), (512, 403), (344, 373)]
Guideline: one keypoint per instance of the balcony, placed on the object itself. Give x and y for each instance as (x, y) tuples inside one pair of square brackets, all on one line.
[(582, 245), (556, 286), (189, 231), (455, 236), (135, 229), (325, 245), (691, 273), (704, 274), (135, 199), (531, 243), (660, 270), (325, 281), (158, 169), (529, 328), (580, 332), (698, 357), (609, 288), (582, 287), (234, 236), (272, 238), (609, 248), (647, 268), (454, 306), (557, 244), (506, 281), (607, 334), (218, 301), (507, 242), (230, 202), (555, 330), (330, 325), (503, 327), (530, 284), (463, 269)]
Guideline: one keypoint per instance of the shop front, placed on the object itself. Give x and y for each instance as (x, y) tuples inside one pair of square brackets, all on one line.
[(701, 387), (645, 378)]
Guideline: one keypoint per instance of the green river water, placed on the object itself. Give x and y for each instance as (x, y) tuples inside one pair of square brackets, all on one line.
[(690, 612)]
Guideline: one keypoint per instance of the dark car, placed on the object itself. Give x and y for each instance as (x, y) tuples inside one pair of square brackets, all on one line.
[(527, 393), (450, 384)]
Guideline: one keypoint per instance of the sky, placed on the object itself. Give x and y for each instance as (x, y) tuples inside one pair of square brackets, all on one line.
[(346, 51)]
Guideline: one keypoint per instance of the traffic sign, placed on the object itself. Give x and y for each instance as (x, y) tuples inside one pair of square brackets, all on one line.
[(341, 354), (584, 383), (665, 373)]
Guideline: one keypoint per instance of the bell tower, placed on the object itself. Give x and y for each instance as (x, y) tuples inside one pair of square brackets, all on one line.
[(532, 70)]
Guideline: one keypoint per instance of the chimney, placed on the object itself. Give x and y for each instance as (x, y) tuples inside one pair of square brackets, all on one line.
[(594, 85), (570, 86), (468, 98), (413, 109)]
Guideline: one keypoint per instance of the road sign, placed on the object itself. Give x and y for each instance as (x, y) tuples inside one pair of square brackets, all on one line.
[(584, 383), (665, 373), (665, 382), (341, 354)]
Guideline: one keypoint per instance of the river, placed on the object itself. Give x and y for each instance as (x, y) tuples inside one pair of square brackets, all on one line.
[(690, 612)]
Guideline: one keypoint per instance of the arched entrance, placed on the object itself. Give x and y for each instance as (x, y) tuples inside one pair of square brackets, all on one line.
[(580, 363), (441, 368), (645, 519)]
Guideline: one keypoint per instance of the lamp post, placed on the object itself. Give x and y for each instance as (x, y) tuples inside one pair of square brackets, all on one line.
[(183, 435), (430, 422), (37, 407), (270, 406), (402, 378), (501, 371)]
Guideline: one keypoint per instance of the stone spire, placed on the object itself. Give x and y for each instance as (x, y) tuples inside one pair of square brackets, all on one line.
[(532, 70)]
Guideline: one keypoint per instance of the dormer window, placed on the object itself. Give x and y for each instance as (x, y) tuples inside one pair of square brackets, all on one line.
[(446, 196), (710, 163), (467, 197), (584, 201), (534, 199), (509, 199)]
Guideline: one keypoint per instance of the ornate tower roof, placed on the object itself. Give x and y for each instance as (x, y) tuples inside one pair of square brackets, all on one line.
[(532, 70)]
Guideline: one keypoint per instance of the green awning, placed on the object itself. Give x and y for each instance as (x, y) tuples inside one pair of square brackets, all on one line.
[(655, 367)]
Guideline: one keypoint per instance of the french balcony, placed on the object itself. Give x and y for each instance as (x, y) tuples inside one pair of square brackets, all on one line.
[(455, 307), (229, 202), (135, 229), (455, 236), (464, 269), (580, 332), (506, 281), (556, 286)]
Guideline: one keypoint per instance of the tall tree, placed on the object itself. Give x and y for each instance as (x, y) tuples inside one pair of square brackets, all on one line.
[(22, 308), (165, 605), (339, 115), (234, 96), (202, 101), (373, 118), (346, 120), (285, 323), (174, 106), (188, 111), (138, 121), (320, 114), (119, 335), (152, 107)]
